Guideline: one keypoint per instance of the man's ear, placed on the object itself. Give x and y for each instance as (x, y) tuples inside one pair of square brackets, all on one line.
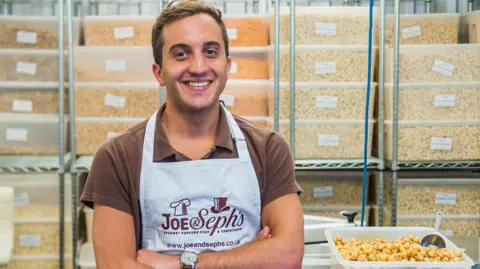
[(157, 72)]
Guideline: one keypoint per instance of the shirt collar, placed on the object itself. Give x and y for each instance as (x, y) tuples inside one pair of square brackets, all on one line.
[(163, 149)]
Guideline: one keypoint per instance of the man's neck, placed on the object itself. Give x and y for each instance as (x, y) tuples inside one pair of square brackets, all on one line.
[(185, 125)]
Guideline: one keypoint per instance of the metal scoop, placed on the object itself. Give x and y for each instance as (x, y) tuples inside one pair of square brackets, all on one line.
[(434, 240)]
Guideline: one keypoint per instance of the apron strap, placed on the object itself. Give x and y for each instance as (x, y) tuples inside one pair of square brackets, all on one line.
[(238, 137)]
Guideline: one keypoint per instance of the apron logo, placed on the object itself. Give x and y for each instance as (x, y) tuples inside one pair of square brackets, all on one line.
[(215, 220), (181, 207)]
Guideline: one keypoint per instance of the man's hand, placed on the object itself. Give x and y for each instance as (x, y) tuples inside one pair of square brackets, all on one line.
[(264, 233), (157, 260)]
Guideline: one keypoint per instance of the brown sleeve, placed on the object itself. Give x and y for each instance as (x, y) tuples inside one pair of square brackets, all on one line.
[(104, 184), (280, 179)]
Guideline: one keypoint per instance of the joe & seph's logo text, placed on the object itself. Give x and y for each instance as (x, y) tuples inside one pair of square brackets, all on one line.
[(219, 218)]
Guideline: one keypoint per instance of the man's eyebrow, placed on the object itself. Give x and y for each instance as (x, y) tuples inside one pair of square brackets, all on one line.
[(178, 46), (211, 43)]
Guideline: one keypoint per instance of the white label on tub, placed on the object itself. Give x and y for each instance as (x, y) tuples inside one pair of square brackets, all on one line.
[(123, 32), (111, 134), (14, 134), (22, 105), (443, 67), (116, 65), (445, 100), (322, 192), (27, 37), (323, 28), (325, 67), (27, 240), (233, 68), (229, 100), (27, 68), (447, 233), (409, 32), (442, 198), (442, 143), (232, 33), (22, 199), (114, 100), (327, 101), (328, 140)]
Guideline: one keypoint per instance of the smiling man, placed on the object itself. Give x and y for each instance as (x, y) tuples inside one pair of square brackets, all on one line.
[(194, 186)]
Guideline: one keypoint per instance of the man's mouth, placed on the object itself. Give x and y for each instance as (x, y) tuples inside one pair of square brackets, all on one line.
[(198, 84)]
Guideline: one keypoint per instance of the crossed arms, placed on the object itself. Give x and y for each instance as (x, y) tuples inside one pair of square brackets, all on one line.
[(114, 242)]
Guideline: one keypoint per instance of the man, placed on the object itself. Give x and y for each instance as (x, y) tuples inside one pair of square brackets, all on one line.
[(194, 186)]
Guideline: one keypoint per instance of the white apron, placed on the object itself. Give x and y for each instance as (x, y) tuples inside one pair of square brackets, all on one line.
[(200, 205)]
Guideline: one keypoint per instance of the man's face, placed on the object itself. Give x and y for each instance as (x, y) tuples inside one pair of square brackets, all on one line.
[(194, 66)]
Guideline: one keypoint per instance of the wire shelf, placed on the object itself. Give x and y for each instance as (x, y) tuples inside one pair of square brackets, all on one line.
[(31, 164)]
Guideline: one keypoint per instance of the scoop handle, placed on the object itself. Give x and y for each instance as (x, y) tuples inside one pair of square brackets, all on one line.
[(438, 220)]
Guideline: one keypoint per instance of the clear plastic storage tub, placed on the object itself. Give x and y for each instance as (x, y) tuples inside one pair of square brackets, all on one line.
[(332, 63), (328, 139), (29, 65), (246, 97), (434, 63), (41, 236), (390, 234), (37, 32), (425, 196), (248, 63), (330, 188), (246, 30), (38, 100), (114, 64), (38, 262), (118, 30), (449, 140), (326, 25), (472, 21), (324, 101), (34, 198), (31, 134), (91, 133), (438, 28), (434, 101), (116, 99), (451, 226)]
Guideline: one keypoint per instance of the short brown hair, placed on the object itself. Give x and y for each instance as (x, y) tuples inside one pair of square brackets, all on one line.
[(179, 9)]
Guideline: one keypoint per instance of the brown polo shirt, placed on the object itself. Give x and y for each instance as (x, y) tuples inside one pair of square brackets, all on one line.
[(114, 178)]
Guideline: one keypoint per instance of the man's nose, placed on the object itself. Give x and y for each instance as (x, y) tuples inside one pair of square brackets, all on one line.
[(198, 65)]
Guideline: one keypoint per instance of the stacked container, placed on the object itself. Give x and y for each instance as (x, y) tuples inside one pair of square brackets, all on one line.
[(245, 94), (438, 92), (331, 70), (115, 88), (419, 195), (36, 211), (331, 74), (29, 125), (29, 85)]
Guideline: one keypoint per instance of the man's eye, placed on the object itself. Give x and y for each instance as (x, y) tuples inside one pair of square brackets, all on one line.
[(181, 54), (211, 52)]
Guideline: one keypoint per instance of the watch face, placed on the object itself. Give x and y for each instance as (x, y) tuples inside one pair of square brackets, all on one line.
[(189, 258)]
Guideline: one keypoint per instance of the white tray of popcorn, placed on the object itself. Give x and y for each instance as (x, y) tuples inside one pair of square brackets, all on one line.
[(386, 245)]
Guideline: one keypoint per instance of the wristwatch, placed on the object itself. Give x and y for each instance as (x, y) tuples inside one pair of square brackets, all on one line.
[(188, 259)]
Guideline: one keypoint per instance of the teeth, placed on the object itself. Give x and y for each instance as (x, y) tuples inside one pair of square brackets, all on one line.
[(198, 84)]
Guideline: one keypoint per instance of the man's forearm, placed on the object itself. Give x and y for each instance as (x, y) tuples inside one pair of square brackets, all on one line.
[(271, 253)]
